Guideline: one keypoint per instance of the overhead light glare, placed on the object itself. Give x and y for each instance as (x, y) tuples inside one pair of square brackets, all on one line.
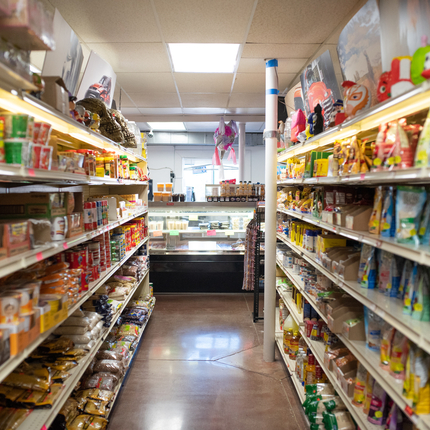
[(204, 57), (167, 126)]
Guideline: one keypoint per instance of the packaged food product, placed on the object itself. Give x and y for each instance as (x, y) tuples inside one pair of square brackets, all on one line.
[(404, 279), (95, 407), (424, 230), (33, 379), (367, 268), (409, 205), (69, 411), (399, 353), (388, 222), (9, 307), (421, 390), (410, 287), (106, 382), (423, 147), (387, 334), (378, 407), (111, 366), (375, 218), (82, 422), (128, 330), (360, 385), (370, 380), (420, 297), (109, 355), (373, 324)]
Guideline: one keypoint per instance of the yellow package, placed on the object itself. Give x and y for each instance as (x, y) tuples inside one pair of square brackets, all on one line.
[(62, 365), (47, 400), (35, 379), (95, 407), (375, 219), (11, 419), (83, 422), (409, 382), (421, 400)]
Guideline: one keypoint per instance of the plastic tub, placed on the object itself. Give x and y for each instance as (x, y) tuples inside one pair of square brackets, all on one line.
[(166, 196), (157, 196), (169, 186), (160, 187)]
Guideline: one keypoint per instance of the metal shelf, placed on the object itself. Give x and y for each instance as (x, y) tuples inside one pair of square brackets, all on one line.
[(287, 298), (13, 80), (12, 264), (420, 254), (371, 359), (412, 101), (8, 366)]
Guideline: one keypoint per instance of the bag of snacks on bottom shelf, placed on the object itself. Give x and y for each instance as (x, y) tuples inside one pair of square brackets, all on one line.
[(68, 412), (94, 407), (338, 421), (11, 419), (106, 382), (110, 366), (83, 422), (128, 330)]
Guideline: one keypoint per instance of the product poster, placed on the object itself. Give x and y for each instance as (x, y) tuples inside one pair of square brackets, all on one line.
[(403, 24), (98, 81), (359, 48), (67, 58), (319, 85)]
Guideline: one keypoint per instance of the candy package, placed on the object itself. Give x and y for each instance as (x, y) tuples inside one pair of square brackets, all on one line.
[(367, 268), (387, 334), (410, 288), (388, 221), (399, 353), (375, 218), (373, 324)]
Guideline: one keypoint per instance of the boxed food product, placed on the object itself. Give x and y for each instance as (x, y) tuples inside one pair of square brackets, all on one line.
[(15, 238), (53, 310), (358, 220), (341, 314)]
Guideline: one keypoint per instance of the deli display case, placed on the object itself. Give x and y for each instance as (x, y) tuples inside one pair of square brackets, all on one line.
[(198, 246)]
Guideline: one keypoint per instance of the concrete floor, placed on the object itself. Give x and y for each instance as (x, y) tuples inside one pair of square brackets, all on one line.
[(200, 367)]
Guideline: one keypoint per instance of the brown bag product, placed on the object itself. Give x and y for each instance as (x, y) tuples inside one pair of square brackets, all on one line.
[(102, 381), (57, 346), (115, 377), (83, 422), (11, 419), (111, 366), (29, 398), (71, 329), (34, 379), (62, 365), (47, 400), (95, 407), (69, 410), (59, 376), (109, 355), (101, 395)]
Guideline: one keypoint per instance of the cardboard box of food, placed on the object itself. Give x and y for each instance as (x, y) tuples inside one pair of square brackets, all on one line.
[(56, 94), (75, 224), (15, 238), (17, 336), (54, 311)]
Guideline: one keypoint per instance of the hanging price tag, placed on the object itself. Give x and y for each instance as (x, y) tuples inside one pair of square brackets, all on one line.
[(211, 232), (31, 172), (157, 233), (39, 256), (65, 245), (229, 233), (174, 233)]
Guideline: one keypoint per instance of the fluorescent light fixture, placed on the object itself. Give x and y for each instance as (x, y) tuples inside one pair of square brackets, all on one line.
[(167, 126), (204, 57)]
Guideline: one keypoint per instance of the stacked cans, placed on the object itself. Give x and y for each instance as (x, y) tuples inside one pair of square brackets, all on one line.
[(77, 258), (94, 260), (117, 246), (95, 214)]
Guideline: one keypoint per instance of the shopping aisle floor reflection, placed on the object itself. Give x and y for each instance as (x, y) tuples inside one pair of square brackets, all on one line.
[(200, 367)]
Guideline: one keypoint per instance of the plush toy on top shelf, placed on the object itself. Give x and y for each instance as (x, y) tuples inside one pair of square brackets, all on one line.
[(310, 126), (337, 116), (298, 124), (420, 65), (356, 98), (318, 120), (396, 81)]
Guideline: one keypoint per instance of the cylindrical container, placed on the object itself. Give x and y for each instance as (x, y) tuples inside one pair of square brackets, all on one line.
[(94, 217), (170, 224), (168, 186), (184, 225), (165, 196), (157, 196), (9, 307), (19, 126), (160, 187), (159, 225), (88, 224)]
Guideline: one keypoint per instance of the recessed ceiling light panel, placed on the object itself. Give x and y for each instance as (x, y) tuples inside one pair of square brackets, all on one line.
[(204, 57)]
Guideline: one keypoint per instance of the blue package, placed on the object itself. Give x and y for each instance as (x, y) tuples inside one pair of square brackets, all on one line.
[(388, 221), (396, 270), (372, 326), (424, 230), (367, 268)]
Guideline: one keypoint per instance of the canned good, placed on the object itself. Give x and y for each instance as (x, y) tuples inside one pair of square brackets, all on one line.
[(9, 307), (19, 126), (16, 151)]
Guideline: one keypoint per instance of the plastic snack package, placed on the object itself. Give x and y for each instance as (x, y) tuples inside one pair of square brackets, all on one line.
[(378, 407), (410, 203), (410, 287), (73, 330), (399, 353), (11, 419), (58, 376), (338, 421), (379, 152), (424, 229), (388, 222), (83, 422), (32, 379), (94, 407), (367, 267), (421, 398), (69, 411), (423, 146), (109, 355), (384, 267), (101, 381), (404, 279), (396, 419), (420, 298), (394, 277), (101, 395), (373, 324), (387, 334), (375, 217), (111, 366), (62, 365), (370, 380), (128, 330), (76, 321), (409, 382), (360, 385), (47, 400), (56, 346), (81, 338)]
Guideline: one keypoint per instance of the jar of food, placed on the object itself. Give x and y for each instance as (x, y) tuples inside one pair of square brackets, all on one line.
[(133, 173), (169, 186), (160, 187), (109, 160)]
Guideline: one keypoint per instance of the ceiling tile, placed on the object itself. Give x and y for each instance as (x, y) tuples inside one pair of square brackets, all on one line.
[(250, 83), (204, 100), (127, 111), (134, 57), (253, 127), (201, 126), (279, 50), (160, 100), (204, 21), (304, 21), (108, 21), (258, 65), (204, 82), (147, 82), (143, 126), (160, 111), (256, 100)]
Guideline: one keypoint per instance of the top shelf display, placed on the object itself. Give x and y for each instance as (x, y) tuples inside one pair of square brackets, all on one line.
[(406, 104)]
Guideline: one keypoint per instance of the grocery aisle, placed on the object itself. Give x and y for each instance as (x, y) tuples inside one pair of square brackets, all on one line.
[(200, 367)]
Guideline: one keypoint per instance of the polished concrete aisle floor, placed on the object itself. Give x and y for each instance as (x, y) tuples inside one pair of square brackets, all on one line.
[(200, 367)]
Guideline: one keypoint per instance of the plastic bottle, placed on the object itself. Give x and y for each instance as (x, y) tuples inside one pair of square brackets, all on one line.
[(294, 344), (288, 333), (310, 370), (262, 192)]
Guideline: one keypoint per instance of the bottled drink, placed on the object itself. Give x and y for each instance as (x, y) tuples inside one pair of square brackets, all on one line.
[(288, 333), (310, 371), (294, 345)]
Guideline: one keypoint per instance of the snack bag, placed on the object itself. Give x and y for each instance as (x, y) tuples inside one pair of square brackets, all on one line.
[(375, 218), (388, 223)]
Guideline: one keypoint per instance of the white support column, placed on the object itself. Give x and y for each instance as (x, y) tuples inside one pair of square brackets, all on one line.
[(242, 139), (270, 210)]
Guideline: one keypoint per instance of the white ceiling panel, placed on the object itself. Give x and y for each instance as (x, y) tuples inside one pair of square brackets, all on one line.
[(147, 82), (160, 111), (246, 111), (204, 82), (143, 125), (201, 126), (279, 50), (297, 21), (249, 83), (204, 21), (109, 20), (127, 111), (204, 100), (134, 57), (161, 100), (258, 65), (247, 100)]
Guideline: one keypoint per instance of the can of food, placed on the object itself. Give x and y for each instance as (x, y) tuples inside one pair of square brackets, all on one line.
[(13, 151), (19, 126), (9, 307)]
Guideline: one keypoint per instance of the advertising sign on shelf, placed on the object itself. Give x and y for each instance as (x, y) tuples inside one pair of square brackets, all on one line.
[(98, 81), (359, 49), (66, 61)]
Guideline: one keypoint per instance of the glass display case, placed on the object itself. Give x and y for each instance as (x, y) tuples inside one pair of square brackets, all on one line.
[(198, 247), (198, 227)]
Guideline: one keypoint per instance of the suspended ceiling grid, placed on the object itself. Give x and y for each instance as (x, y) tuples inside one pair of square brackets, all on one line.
[(132, 36)]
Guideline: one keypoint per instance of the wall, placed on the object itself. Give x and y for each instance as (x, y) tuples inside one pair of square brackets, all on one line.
[(170, 156)]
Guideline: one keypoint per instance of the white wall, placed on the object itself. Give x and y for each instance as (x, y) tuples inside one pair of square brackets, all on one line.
[(171, 156)]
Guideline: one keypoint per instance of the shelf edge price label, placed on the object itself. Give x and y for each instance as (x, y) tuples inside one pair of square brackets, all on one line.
[(229, 233), (174, 233), (211, 232), (157, 233)]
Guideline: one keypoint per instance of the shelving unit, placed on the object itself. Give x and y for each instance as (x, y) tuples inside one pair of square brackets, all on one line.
[(389, 309)]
